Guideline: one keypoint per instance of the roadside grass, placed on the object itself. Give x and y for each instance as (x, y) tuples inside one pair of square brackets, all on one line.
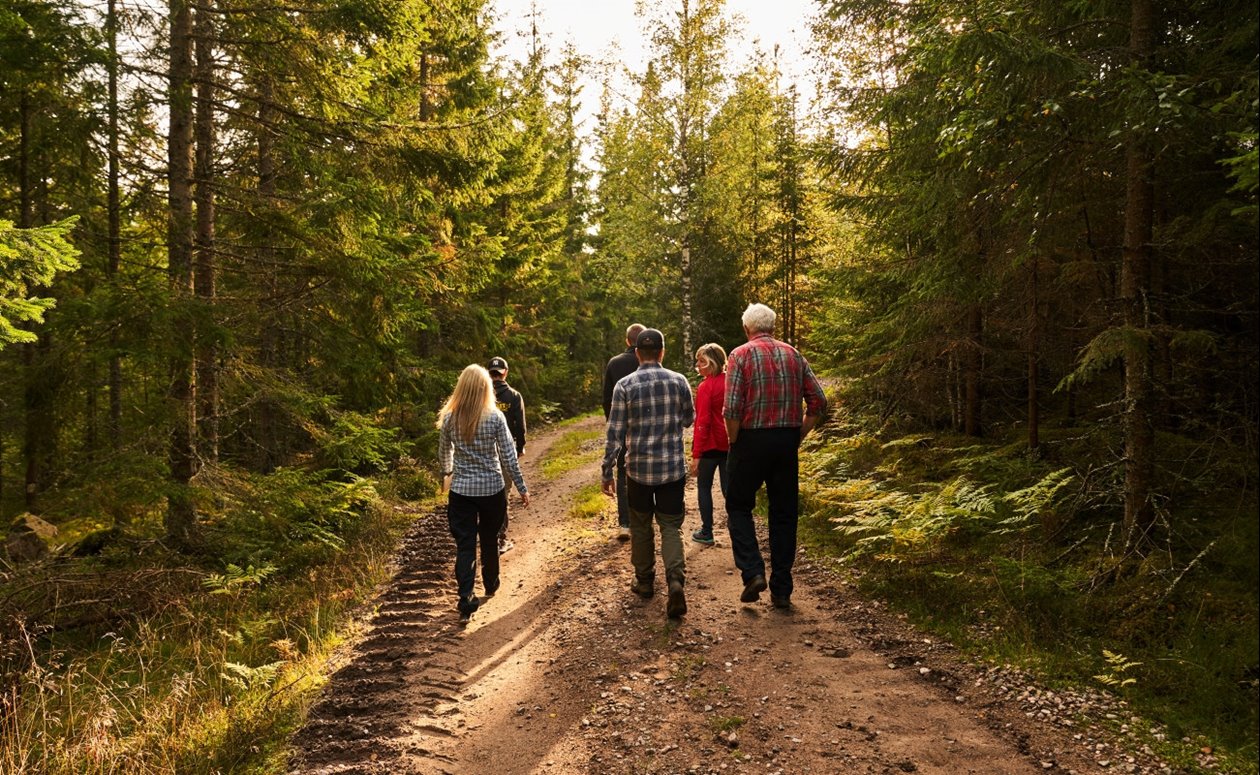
[(587, 515), (926, 523), (163, 665), (591, 504), (574, 449)]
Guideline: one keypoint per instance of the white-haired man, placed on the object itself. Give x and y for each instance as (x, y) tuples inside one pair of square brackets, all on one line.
[(766, 383)]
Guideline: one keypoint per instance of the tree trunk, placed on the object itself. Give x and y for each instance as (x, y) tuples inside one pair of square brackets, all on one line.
[(114, 213), (37, 394), (426, 109), (1139, 430), (972, 371), (36, 428), (268, 435), (26, 200), (685, 182), (1034, 356), (685, 258), (181, 515), (790, 188), (90, 433), (953, 391), (754, 291), (686, 301), (204, 270), (26, 218)]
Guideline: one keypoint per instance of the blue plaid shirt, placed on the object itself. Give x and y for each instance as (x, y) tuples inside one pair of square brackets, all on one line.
[(650, 408), (478, 467)]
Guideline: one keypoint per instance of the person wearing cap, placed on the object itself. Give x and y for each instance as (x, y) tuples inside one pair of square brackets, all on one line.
[(621, 365), (510, 402), (766, 382), (474, 448), (647, 414)]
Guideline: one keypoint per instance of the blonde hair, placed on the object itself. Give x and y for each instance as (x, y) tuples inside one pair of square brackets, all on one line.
[(470, 402), (714, 353)]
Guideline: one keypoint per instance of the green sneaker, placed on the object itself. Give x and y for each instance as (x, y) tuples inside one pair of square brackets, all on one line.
[(702, 536)]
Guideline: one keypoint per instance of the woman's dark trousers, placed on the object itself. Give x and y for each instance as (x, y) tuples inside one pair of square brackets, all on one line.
[(705, 469), (474, 519)]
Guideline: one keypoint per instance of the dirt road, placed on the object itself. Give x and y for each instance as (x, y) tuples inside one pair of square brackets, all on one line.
[(566, 671)]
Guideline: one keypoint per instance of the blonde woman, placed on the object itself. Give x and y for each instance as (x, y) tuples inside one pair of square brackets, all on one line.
[(475, 447)]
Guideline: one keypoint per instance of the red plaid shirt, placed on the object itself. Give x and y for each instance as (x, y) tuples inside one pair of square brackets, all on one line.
[(766, 381)]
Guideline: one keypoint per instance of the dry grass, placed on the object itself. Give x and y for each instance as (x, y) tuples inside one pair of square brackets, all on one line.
[(202, 682)]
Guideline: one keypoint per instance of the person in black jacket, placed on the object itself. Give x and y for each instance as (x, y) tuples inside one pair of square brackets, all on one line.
[(512, 405), (619, 366)]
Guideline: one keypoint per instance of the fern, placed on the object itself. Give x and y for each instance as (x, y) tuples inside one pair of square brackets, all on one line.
[(244, 677), (1031, 502), (236, 577), (1114, 675), (892, 525)]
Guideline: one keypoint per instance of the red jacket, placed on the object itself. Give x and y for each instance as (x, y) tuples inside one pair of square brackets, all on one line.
[(710, 432)]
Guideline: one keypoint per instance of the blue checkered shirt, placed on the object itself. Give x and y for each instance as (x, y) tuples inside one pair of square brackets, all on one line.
[(478, 467), (650, 408)]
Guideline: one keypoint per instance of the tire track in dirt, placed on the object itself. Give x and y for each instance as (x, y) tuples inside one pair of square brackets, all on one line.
[(399, 677), (566, 671), (399, 703)]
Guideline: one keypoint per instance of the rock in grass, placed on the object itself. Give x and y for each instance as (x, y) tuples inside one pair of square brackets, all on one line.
[(28, 538)]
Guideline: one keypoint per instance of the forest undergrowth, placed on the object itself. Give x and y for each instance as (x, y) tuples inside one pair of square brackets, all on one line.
[(1021, 559), (133, 659)]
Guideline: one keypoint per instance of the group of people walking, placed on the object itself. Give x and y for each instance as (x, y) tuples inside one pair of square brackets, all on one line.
[(750, 411)]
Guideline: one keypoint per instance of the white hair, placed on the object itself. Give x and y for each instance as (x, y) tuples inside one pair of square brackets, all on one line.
[(759, 318)]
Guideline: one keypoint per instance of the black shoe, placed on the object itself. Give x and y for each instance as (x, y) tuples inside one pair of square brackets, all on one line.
[(642, 588), (677, 605), (491, 589), (753, 589), (784, 602), (467, 608)]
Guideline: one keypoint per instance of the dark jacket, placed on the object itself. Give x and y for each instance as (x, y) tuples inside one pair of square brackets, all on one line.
[(618, 366), (512, 405)]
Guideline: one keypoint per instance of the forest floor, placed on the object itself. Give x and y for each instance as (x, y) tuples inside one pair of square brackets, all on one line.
[(566, 671)]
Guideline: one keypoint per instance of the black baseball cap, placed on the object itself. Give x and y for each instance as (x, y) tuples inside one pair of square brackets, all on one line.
[(650, 339), (496, 364)]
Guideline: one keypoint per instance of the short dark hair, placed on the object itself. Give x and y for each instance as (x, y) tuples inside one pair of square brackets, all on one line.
[(633, 331)]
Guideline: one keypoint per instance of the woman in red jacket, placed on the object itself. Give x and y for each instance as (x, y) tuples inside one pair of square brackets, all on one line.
[(709, 444)]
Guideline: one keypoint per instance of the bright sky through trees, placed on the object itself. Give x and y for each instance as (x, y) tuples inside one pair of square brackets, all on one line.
[(609, 29)]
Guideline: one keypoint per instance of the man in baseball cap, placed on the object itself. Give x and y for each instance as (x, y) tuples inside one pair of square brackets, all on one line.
[(512, 405)]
